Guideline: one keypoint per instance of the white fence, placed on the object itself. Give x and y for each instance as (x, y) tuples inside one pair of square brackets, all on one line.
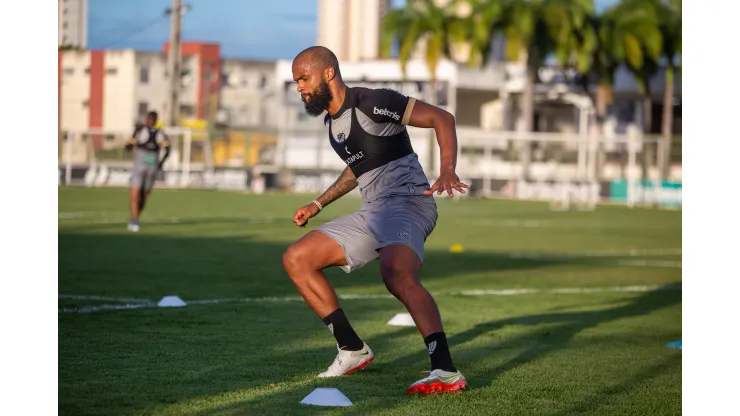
[(559, 168)]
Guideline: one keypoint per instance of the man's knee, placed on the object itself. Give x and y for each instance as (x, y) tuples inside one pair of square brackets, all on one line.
[(298, 257), (292, 258)]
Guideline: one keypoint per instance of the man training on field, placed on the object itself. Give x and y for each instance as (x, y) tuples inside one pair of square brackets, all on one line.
[(146, 143), (367, 129)]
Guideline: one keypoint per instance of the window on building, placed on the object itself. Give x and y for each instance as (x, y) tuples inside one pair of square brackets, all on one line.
[(263, 81), (87, 71), (68, 71), (187, 110), (144, 75), (143, 108), (85, 104), (111, 71)]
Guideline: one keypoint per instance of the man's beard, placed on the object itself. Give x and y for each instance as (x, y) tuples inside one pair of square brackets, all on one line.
[(319, 100)]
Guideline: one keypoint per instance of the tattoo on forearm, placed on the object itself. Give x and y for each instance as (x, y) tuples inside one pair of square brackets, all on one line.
[(345, 183)]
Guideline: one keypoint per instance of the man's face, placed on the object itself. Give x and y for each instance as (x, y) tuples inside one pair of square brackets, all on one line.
[(312, 86), (150, 122)]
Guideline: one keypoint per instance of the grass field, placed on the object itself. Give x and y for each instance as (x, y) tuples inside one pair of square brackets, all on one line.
[(555, 350)]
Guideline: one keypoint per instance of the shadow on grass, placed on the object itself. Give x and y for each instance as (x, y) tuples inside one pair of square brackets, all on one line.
[(562, 328), (128, 361), (145, 265)]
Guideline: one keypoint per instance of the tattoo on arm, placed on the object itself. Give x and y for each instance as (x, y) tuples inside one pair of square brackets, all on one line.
[(345, 183)]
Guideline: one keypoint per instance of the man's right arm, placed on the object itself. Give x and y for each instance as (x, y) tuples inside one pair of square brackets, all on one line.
[(344, 184), (132, 141)]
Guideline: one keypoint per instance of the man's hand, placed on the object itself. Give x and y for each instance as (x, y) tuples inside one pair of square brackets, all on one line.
[(447, 181), (302, 214)]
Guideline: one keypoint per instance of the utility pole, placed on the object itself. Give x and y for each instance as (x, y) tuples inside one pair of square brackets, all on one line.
[(173, 62)]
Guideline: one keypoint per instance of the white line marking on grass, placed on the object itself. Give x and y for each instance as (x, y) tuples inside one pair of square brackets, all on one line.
[(145, 303), (108, 298), (568, 290), (70, 215), (512, 223), (98, 308), (601, 257), (123, 219), (630, 252)]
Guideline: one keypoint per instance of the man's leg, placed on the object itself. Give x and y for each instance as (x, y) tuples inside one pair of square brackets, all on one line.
[(304, 262), (401, 227), (400, 267), (143, 196), (146, 187), (134, 198), (136, 185)]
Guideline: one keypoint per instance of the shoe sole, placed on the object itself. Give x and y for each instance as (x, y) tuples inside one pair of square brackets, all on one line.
[(360, 367), (437, 388)]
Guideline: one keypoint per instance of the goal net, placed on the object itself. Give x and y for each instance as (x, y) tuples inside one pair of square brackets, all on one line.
[(561, 169), (98, 157)]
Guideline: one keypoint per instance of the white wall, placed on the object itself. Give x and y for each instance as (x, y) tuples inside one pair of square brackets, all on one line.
[(119, 90), (249, 95), (75, 91)]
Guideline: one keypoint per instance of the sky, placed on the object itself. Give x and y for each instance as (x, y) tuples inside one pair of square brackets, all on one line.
[(251, 29)]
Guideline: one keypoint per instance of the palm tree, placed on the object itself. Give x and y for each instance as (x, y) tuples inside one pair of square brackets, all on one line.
[(670, 27), (638, 43), (422, 21), (533, 28)]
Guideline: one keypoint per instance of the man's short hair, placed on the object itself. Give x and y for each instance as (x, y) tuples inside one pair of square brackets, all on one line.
[(321, 56), (152, 115)]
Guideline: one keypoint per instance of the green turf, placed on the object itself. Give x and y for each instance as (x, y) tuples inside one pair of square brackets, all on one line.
[(541, 353)]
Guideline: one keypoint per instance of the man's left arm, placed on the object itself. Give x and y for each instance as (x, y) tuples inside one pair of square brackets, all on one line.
[(389, 106), (421, 114), (165, 144)]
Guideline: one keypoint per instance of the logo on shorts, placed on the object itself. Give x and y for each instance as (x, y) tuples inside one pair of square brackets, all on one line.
[(405, 236), (340, 138)]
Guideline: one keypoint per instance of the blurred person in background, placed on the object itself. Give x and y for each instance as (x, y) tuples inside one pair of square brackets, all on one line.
[(146, 142)]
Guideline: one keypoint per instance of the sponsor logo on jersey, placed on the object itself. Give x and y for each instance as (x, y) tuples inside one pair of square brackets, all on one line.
[(386, 112), (355, 157)]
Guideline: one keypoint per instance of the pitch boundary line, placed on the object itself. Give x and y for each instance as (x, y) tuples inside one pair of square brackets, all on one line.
[(147, 303)]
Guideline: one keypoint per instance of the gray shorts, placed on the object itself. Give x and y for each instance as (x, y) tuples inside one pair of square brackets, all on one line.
[(143, 177), (388, 221)]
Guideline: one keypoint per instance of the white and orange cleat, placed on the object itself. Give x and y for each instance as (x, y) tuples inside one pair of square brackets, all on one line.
[(439, 381), (347, 362)]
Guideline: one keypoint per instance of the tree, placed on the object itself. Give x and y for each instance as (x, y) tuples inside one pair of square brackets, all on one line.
[(422, 21), (533, 28), (669, 20), (638, 43)]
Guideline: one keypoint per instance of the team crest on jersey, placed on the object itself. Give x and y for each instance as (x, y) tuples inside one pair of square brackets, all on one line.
[(340, 138)]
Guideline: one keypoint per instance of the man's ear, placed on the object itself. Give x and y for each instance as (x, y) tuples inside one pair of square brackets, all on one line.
[(329, 74)]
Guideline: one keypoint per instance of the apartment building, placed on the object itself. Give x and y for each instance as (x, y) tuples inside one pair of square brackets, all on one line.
[(351, 28), (72, 23)]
